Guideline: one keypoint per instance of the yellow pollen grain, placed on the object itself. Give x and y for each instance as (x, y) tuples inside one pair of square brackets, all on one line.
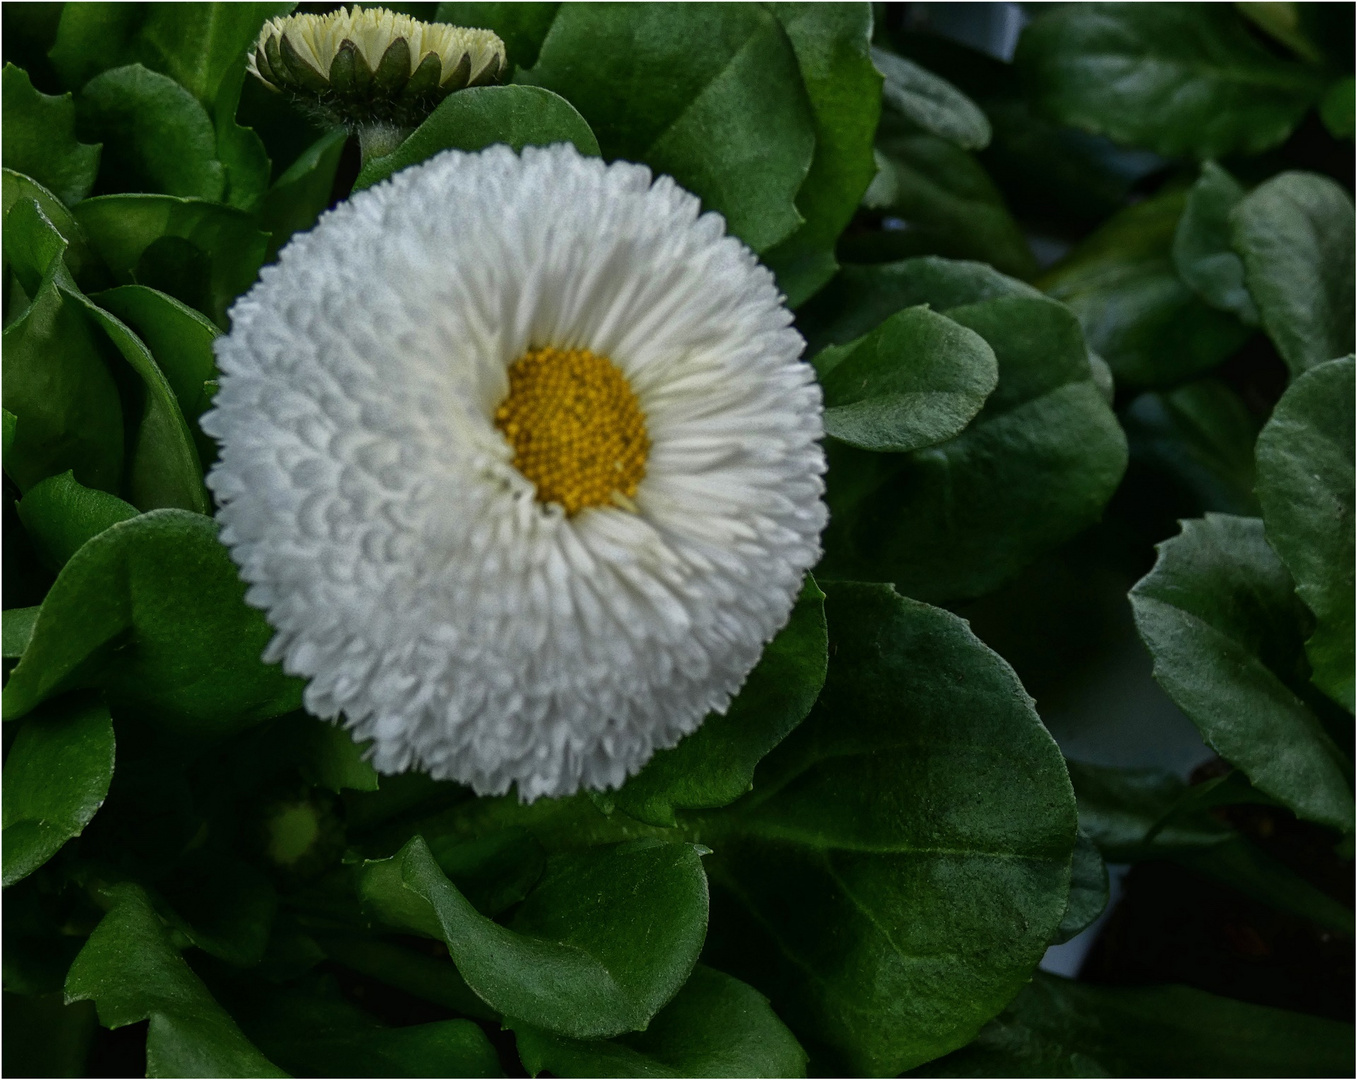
[(577, 430)]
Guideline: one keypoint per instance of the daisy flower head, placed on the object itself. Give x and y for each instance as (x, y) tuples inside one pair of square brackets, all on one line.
[(520, 458)]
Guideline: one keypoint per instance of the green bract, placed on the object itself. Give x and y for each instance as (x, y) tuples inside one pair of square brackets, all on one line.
[(1082, 323)]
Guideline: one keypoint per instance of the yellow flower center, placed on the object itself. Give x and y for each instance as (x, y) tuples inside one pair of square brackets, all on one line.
[(577, 430)]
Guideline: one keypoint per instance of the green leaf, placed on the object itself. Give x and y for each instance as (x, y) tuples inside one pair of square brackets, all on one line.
[(321, 1033), (945, 200), (715, 764), (19, 249), (18, 631), (831, 43), (202, 253), (1202, 434), (1057, 1027), (916, 380), (131, 972), (931, 102), (482, 116), (1202, 251), (731, 121), (522, 26), (39, 139), (1088, 890), (293, 204), (328, 756), (1305, 485), (69, 414), (598, 948), (60, 514), (1179, 79), (1338, 108), (56, 778), (47, 1037), (95, 37), (1294, 234), (1138, 314), (1218, 616), (715, 1026), (156, 136), (904, 857), (1034, 468), (163, 469), (860, 298), (151, 610)]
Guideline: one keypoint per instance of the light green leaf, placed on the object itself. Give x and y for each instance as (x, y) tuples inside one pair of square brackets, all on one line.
[(60, 514), (904, 857), (831, 42), (1202, 252), (132, 972), (1294, 233), (1202, 434), (39, 139), (1305, 484), (1032, 469), (731, 121), (1218, 616), (946, 201), (1178, 79), (916, 380), (931, 102), (156, 136), (1135, 309), (715, 1026), (152, 610), (1057, 1027), (715, 764), (1088, 890), (56, 778), (202, 253), (597, 949), (482, 116)]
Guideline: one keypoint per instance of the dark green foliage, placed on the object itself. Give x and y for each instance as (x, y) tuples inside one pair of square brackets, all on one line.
[(1133, 242)]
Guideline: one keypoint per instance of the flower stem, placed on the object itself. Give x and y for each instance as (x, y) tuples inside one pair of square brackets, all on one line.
[(378, 140)]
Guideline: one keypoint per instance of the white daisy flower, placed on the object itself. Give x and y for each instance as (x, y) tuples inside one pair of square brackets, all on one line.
[(520, 458)]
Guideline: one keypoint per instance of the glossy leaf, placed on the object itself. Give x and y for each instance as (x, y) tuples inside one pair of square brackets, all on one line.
[(202, 253), (831, 43), (945, 201), (904, 857), (60, 514), (714, 765), (1035, 467), (302, 193), (1136, 311), (1305, 484), (1218, 616), (1294, 233), (56, 778), (132, 972), (19, 250), (930, 102), (39, 139), (597, 949), (152, 610), (18, 630), (731, 122), (1088, 890), (916, 380), (715, 1026), (1178, 79), (1202, 250), (156, 137), (482, 116), (1057, 1027)]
